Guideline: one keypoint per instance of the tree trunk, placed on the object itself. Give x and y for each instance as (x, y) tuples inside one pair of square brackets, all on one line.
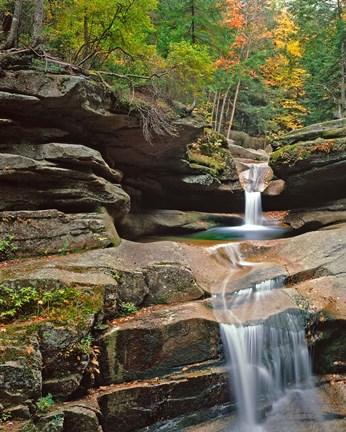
[(86, 34), (193, 15), (38, 21), (342, 71), (217, 110), (213, 111), (233, 110), (13, 35), (223, 108), (342, 83)]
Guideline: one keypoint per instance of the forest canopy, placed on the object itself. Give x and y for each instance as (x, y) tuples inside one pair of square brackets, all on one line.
[(261, 66)]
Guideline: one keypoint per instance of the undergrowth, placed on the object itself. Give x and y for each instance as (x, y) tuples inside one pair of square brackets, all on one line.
[(66, 304), (210, 151)]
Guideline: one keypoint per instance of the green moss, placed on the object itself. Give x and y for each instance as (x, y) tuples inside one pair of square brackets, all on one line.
[(126, 309), (62, 305), (209, 152), (292, 153), (334, 133)]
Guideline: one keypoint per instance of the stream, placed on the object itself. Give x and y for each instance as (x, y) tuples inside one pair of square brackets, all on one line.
[(268, 362)]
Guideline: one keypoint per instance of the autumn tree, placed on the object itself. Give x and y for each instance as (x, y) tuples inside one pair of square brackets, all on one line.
[(248, 21), (284, 72)]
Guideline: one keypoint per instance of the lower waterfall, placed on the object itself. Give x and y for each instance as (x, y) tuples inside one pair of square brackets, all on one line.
[(268, 362)]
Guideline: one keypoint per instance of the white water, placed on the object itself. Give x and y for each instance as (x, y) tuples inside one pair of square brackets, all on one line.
[(263, 362), (255, 184), (268, 362), (253, 208)]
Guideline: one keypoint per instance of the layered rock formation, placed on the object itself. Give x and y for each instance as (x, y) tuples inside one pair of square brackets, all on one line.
[(171, 349), (312, 161), (128, 335)]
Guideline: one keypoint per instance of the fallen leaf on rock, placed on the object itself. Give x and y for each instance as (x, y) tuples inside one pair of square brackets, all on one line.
[(30, 349)]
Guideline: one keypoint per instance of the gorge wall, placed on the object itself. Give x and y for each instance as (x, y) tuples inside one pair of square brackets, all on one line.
[(126, 335)]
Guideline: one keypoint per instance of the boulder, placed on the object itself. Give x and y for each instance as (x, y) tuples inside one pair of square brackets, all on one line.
[(154, 342), (306, 219), (33, 184), (20, 369), (274, 188), (328, 129), (81, 419), (312, 170), (140, 405), (44, 232), (239, 152), (172, 222)]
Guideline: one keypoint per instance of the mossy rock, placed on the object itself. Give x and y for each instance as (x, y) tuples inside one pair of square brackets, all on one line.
[(291, 154), (211, 152), (329, 129)]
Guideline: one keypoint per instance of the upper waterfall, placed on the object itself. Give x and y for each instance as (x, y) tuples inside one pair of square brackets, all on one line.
[(254, 182)]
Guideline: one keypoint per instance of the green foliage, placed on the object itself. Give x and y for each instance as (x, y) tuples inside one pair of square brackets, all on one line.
[(44, 403), (194, 21), (65, 304), (210, 151), (115, 275), (100, 31), (126, 308), (65, 247), (322, 32), (13, 302), (85, 345), (5, 416), (288, 71), (291, 154), (7, 248), (191, 70)]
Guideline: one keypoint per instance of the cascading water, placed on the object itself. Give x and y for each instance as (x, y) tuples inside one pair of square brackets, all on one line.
[(254, 184), (268, 362), (253, 208)]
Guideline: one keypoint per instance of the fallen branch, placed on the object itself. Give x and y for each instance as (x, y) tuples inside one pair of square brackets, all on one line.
[(129, 76)]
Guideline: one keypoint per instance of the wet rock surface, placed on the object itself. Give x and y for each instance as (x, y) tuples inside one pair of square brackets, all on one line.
[(65, 141), (172, 222), (137, 406), (154, 342)]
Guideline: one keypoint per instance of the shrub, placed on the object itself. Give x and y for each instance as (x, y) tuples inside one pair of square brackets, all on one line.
[(7, 248)]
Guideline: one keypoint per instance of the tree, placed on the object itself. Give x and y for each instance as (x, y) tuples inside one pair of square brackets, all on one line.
[(284, 72), (93, 33), (248, 21), (20, 22), (322, 31), (38, 22), (14, 30), (195, 21), (190, 71)]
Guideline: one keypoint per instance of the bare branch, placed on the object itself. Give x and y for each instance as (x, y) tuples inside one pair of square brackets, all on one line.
[(129, 76)]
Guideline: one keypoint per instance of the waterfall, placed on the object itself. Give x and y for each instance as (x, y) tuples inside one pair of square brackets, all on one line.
[(253, 208), (254, 184), (268, 362), (263, 362)]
